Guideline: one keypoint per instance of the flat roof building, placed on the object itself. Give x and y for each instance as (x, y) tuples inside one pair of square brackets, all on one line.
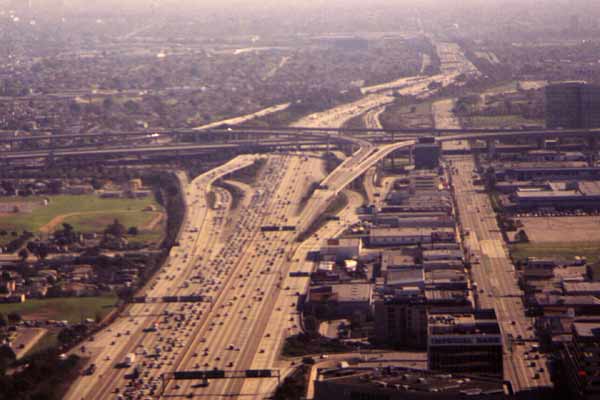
[(342, 249), (406, 236), (572, 105), (581, 361), (394, 383), (465, 343)]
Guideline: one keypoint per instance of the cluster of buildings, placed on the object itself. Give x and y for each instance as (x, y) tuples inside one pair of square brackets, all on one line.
[(69, 277), (564, 298), (549, 179), (102, 88), (401, 276)]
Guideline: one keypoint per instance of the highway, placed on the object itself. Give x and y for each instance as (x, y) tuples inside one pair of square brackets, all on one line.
[(125, 335), (243, 271)]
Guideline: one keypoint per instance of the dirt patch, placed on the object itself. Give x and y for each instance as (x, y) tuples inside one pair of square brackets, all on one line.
[(151, 225), (562, 229)]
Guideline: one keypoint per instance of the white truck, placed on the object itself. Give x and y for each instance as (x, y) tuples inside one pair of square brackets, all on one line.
[(128, 360)]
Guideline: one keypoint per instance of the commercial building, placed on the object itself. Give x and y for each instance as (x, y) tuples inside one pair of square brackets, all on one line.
[(341, 249), (465, 343), (427, 155), (542, 303), (394, 383), (395, 259), (407, 276), (448, 279), (539, 268), (581, 360), (401, 315), (581, 288), (406, 236), (433, 255), (401, 320), (573, 105), (572, 195), (340, 300)]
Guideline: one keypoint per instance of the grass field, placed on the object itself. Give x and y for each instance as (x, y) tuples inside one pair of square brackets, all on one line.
[(71, 309), (590, 250), (87, 213), (408, 116)]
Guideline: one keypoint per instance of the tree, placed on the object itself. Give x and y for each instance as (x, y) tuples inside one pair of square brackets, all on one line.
[(108, 103), (521, 237), (38, 249), (43, 251), (6, 276), (7, 357), (8, 187), (133, 230), (66, 336), (23, 254), (55, 186), (3, 321), (74, 107), (14, 317), (116, 229), (96, 183)]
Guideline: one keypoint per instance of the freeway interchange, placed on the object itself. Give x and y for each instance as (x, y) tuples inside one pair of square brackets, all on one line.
[(251, 304), (242, 273)]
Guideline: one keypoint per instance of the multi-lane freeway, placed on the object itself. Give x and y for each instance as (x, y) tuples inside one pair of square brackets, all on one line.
[(250, 302)]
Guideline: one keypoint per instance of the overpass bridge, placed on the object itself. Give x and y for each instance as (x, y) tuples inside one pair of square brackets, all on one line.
[(239, 133), (244, 140), (308, 142)]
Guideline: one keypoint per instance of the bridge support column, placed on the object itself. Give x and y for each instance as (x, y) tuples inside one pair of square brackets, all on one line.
[(491, 148), (541, 143), (593, 150)]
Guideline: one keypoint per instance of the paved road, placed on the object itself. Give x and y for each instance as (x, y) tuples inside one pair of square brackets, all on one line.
[(127, 333), (495, 275), (245, 274)]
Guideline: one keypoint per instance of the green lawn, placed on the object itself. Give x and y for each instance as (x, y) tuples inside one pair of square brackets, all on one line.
[(94, 213), (91, 222), (590, 250), (72, 309)]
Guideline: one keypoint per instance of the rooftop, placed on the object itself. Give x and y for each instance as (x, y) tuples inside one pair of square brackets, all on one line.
[(346, 292), (588, 287), (411, 380), (587, 329), (343, 242), (391, 258), (405, 275), (408, 231)]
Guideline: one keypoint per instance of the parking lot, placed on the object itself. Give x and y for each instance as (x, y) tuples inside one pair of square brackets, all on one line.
[(562, 229)]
